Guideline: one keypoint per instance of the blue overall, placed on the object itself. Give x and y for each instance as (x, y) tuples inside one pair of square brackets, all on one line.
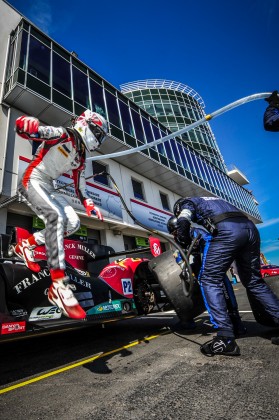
[(231, 302), (237, 240)]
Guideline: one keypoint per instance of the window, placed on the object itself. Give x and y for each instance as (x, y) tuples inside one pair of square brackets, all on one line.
[(165, 201), (21, 58), (61, 77), (159, 109), (176, 110), (138, 190), (39, 60), (150, 109), (137, 126), (98, 104), (113, 112), (168, 110), (168, 150), (80, 84), (147, 130), (126, 118), (98, 168)]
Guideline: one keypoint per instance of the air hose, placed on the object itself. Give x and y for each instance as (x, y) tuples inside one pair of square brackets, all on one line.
[(183, 130), (187, 276)]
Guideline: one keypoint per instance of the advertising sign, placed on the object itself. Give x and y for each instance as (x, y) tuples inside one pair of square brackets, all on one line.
[(150, 216)]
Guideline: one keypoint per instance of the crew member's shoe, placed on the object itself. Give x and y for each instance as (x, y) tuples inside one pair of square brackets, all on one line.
[(220, 346), (60, 294), (24, 251)]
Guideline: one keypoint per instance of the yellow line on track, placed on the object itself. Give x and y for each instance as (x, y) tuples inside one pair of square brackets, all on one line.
[(82, 362)]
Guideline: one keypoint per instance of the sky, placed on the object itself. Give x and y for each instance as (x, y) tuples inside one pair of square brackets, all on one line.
[(224, 50)]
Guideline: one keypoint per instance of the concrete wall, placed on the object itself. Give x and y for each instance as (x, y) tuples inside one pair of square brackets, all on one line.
[(9, 19)]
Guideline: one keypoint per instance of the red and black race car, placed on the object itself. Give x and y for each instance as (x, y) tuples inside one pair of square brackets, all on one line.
[(107, 291)]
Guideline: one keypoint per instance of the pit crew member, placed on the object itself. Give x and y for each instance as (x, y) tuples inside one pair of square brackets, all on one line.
[(234, 238)]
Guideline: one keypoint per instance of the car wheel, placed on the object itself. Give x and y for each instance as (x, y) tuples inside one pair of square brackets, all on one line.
[(144, 297), (168, 274), (259, 312)]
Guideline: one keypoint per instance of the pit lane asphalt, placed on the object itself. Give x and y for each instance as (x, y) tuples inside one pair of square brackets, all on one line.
[(145, 369)]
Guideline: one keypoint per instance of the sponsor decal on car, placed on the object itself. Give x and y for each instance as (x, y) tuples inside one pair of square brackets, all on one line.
[(78, 280), (13, 327), (87, 250), (109, 307), (45, 313), (113, 306), (27, 282), (18, 313)]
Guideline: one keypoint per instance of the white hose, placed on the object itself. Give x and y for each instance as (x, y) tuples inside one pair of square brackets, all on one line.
[(208, 117)]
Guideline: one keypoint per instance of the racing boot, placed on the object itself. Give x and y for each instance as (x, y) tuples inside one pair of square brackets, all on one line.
[(60, 294), (220, 345), (24, 250)]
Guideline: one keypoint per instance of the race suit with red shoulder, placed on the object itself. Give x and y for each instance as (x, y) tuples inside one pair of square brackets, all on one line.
[(61, 151)]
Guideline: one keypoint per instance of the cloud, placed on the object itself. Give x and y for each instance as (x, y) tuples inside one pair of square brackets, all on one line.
[(268, 223), (41, 15), (270, 248)]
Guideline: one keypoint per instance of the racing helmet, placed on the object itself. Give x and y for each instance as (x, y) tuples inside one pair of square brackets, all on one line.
[(177, 206), (93, 129), (172, 224)]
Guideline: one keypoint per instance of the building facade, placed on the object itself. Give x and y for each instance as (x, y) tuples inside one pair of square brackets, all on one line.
[(41, 78), (176, 105)]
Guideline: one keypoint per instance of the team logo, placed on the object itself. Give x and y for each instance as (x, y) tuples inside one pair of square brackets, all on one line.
[(45, 313)]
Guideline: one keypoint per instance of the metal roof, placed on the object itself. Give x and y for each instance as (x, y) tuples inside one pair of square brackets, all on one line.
[(161, 84)]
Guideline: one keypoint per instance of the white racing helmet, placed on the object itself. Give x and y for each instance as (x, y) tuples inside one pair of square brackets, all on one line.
[(93, 129)]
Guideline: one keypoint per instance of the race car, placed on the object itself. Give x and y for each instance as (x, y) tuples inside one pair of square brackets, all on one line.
[(107, 291)]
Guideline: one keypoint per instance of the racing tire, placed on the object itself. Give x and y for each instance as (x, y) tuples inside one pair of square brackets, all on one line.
[(261, 316), (168, 274), (273, 283)]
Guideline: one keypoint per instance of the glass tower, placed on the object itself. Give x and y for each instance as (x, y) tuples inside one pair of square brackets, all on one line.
[(176, 105)]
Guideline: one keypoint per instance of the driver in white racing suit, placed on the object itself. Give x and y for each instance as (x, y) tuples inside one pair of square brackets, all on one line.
[(61, 150)]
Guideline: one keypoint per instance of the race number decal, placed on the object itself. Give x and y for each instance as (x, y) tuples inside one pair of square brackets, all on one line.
[(127, 286)]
